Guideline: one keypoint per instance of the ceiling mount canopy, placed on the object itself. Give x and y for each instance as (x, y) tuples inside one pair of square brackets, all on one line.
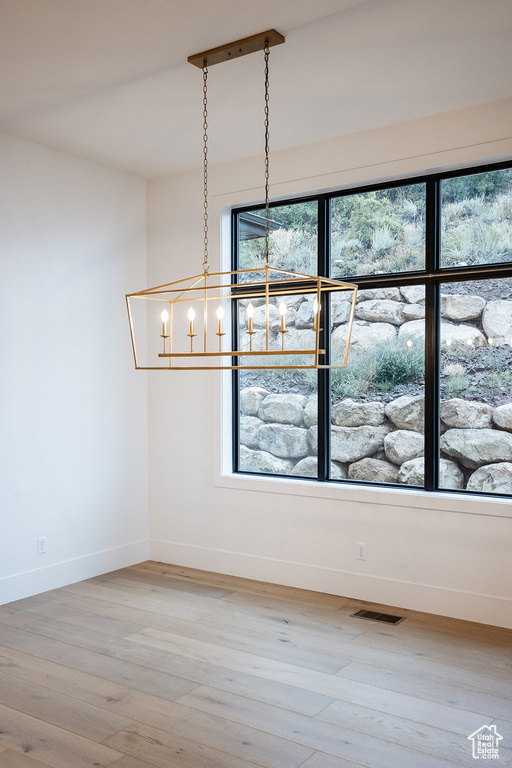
[(235, 319), (239, 48)]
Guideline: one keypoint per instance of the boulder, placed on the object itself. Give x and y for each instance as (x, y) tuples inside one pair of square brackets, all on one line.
[(348, 413), (450, 475), (340, 307), (407, 412), (413, 294), (260, 461), (413, 329), (338, 471), (502, 416), (259, 341), (293, 300), (412, 472), (413, 312), (290, 317), (403, 445), (373, 471), (313, 438), (308, 467), (353, 443), (305, 316), (284, 440), (250, 399), (466, 414), (461, 307), (260, 316), (475, 447), (459, 337), (492, 478), (380, 311), (249, 426), (285, 409), (299, 339), (363, 335), (311, 411), (256, 302), (497, 321), (367, 294), (454, 337)]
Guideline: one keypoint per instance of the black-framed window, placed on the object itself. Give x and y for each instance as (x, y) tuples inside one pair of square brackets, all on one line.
[(426, 398)]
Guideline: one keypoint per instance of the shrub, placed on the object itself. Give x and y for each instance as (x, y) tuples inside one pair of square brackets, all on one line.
[(382, 239), (457, 384), (503, 207), (475, 243), (371, 212), (410, 210), (414, 236), (379, 368)]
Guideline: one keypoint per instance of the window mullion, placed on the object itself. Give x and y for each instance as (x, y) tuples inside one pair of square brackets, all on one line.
[(235, 378), (323, 381), (432, 337)]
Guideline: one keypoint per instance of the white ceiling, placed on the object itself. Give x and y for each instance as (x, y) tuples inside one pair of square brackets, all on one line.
[(109, 80)]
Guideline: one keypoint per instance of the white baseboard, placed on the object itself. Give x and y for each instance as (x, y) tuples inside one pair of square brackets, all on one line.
[(457, 604), (29, 583)]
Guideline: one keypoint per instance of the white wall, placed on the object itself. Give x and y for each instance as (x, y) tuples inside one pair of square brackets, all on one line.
[(447, 555), (73, 412)]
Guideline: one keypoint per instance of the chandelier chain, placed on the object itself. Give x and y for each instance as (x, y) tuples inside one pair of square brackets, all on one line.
[(205, 164), (267, 54)]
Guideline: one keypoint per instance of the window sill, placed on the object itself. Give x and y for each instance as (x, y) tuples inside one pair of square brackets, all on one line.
[(486, 506)]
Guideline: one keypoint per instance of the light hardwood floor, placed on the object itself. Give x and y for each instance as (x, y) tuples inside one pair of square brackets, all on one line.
[(158, 665)]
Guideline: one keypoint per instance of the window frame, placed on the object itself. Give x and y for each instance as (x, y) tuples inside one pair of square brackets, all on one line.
[(433, 276)]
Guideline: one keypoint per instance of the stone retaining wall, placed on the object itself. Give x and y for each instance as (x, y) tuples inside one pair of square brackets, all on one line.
[(381, 315), (377, 442)]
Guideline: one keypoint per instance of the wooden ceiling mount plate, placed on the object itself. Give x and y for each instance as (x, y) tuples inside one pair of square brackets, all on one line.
[(237, 48)]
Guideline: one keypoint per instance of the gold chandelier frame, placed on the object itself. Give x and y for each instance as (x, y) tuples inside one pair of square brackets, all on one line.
[(203, 291), (258, 349)]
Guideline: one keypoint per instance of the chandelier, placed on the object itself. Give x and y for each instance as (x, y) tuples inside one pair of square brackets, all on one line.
[(243, 318)]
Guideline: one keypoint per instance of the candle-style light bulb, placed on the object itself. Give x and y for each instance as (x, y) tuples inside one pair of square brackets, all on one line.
[(164, 317), (191, 316), (282, 312), (220, 315), (250, 315)]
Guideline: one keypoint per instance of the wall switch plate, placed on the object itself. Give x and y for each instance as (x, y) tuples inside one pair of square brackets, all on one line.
[(41, 545), (361, 551)]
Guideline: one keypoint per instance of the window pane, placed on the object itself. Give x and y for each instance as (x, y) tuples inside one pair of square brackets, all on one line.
[(375, 233), (277, 408), (293, 239), (477, 219), (476, 386), (377, 401)]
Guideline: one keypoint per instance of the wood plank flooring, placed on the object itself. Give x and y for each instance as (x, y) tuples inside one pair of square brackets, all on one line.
[(159, 665)]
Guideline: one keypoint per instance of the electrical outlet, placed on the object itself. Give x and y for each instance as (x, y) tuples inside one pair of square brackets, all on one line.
[(41, 545), (361, 551)]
